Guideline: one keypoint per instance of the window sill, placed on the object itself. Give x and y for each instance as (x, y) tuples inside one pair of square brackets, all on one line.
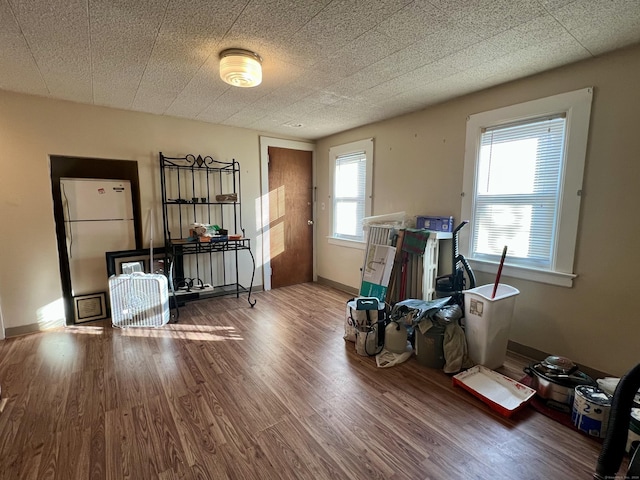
[(346, 243), (542, 276)]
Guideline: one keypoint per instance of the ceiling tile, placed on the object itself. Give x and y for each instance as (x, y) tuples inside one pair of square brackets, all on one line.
[(489, 17), (245, 117), (57, 32), (189, 34), (277, 20), (410, 80), (363, 51), (604, 25), (552, 5), (431, 48), (122, 38), (339, 23), (344, 20), (416, 21), (218, 112), (534, 32), (200, 93), (272, 121), (19, 71)]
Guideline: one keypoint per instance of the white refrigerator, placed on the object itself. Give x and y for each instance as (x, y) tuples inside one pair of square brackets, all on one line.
[(98, 218)]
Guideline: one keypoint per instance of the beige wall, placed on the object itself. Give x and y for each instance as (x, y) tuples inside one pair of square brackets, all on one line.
[(418, 168), (32, 128)]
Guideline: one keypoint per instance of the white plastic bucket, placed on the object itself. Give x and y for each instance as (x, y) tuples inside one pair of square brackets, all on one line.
[(487, 323)]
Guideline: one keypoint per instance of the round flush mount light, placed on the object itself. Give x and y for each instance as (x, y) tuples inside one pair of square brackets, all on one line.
[(240, 68)]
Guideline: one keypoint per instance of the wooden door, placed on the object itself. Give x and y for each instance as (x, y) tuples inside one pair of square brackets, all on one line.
[(290, 216)]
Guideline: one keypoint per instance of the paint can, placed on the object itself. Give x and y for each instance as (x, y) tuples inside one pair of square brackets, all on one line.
[(633, 438), (591, 408)]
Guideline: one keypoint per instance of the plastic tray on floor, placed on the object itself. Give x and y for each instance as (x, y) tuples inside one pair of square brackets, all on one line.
[(501, 393)]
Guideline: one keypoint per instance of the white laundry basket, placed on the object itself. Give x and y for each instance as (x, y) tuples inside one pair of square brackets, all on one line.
[(487, 323)]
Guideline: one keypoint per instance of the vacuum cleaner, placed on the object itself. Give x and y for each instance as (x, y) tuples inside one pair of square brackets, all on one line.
[(613, 448), (455, 283)]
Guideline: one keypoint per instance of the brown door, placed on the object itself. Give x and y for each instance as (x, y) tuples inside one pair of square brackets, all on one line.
[(290, 216)]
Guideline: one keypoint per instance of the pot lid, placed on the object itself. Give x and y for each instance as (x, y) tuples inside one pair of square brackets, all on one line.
[(554, 364), (571, 380)]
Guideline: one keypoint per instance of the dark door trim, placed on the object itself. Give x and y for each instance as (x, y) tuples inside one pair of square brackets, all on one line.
[(265, 143), (79, 167)]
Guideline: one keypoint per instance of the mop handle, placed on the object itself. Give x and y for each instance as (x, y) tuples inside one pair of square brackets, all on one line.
[(495, 285)]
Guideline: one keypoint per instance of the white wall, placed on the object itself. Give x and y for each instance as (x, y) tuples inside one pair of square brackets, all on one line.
[(418, 168), (32, 128)]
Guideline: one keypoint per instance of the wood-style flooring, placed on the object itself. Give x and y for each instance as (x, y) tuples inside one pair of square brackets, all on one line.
[(265, 393)]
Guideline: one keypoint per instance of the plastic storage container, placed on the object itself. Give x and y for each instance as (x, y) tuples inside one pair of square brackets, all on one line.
[(487, 323)]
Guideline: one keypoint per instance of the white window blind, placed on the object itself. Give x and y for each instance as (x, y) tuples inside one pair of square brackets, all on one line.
[(349, 201), (518, 188)]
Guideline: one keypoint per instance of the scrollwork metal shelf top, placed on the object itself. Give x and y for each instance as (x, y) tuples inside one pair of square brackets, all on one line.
[(191, 162)]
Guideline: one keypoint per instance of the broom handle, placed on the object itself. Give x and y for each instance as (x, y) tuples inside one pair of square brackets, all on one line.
[(151, 241), (495, 285)]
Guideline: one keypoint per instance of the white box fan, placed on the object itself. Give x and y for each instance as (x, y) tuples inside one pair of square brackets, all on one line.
[(140, 299)]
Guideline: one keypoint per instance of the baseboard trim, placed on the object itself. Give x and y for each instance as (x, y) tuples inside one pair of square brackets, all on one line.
[(27, 329), (337, 286), (538, 355)]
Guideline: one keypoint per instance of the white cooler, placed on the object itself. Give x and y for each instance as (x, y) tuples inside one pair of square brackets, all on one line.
[(487, 323)]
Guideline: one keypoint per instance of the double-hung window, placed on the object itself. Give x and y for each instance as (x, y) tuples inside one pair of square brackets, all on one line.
[(523, 178), (351, 179)]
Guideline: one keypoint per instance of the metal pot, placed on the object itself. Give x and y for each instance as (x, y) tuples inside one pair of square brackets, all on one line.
[(559, 387)]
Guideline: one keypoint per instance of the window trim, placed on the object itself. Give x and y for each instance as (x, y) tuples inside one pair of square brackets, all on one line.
[(365, 146), (576, 106)]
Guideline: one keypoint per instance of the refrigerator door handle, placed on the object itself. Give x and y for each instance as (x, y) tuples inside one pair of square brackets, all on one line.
[(68, 230)]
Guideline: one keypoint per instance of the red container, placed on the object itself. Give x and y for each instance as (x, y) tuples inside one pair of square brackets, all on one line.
[(501, 393)]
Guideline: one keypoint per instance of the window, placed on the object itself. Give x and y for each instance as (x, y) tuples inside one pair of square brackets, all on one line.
[(351, 172), (522, 186)]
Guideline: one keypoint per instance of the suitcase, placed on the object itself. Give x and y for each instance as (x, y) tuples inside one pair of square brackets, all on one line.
[(139, 300)]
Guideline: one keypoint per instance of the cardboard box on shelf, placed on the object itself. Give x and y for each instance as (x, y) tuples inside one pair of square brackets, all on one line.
[(227, 197), (437, 224)]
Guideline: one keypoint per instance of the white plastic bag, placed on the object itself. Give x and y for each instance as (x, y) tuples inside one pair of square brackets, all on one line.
[(387, 359)]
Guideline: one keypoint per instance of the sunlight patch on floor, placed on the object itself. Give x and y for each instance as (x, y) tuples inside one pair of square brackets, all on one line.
[(85, 329), (207, 333)]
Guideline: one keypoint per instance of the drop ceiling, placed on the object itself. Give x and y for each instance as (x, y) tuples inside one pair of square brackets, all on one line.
[(328, 65)]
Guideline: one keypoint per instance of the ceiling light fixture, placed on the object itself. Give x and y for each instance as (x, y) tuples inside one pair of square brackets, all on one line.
[(240, 68)]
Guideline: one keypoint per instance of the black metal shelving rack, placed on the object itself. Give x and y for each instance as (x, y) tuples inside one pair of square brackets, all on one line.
[(190, 185)]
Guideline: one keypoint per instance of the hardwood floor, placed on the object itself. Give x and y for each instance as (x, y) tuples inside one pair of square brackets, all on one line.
[(262, 393)]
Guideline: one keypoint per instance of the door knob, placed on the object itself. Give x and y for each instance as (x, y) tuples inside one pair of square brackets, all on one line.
[(309, 222)]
